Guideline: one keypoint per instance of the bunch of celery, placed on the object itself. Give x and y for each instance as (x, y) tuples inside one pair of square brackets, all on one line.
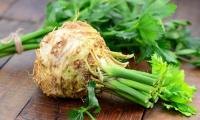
[(131, 26)]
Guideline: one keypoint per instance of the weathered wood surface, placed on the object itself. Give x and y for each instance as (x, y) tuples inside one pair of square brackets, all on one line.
[(20, 99), (16, 85), (46, 108), (28, 10), (4, 5), (3, 61)]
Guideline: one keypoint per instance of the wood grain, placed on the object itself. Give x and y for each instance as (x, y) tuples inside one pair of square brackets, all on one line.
[(26, 10), (47, 108), (114, 108), (5, 4), (3, 61), (40, 107), (16, 85)]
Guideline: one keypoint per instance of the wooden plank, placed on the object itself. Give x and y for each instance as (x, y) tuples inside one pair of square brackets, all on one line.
[(46, 108), (3, 61), (26, 10), (159, 113), (40, 107), (5, 4), (7, 27), (114, 108), (16, 85)]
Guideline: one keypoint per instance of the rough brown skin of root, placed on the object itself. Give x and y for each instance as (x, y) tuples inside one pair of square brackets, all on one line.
[(60, 68)]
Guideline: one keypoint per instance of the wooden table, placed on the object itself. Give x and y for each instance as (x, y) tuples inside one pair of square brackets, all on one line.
[(20, 99)]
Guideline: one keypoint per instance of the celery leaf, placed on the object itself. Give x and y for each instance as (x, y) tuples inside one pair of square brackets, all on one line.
[(92, 105), (150, 29), (175, 92)]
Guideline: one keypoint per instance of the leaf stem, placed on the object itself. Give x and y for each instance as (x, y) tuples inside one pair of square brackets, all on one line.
[(129, 97), (90, 115), (5, 54), (121, 72), (28, 37), (25, 47), (114, 84), (136, 85)]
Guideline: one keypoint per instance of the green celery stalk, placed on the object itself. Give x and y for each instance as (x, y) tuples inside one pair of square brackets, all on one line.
[(27, 37), (114, 84), (118, 71), (129, 97), (137, 85), (25, 47)]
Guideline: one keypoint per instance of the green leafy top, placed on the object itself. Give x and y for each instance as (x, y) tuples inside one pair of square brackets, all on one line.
[(92, 105), (179, 39), (175, 93), (130, 25)]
